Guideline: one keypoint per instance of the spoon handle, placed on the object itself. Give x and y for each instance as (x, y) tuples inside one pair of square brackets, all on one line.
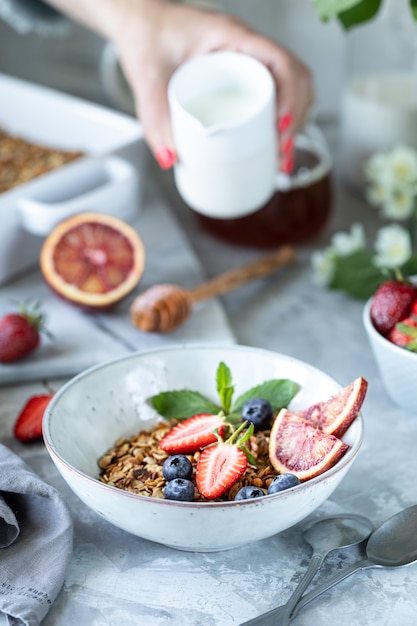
[(281, 615), (287, 609), (331, 582), (270, 618)]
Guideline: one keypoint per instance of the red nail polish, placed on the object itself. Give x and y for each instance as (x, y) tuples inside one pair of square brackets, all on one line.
[(165, 157), (288, 164), (288, 146), (284, 122)]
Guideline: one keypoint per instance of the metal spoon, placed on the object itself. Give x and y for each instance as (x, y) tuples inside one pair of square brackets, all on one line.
[(324, 536), (393, 544)]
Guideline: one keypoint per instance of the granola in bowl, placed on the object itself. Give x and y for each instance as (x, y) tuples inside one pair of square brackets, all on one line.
[(135, 465)]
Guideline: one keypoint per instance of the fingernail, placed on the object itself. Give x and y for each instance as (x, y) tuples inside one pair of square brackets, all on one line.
[(288, 146), (287, 164), (165, 157), (284, 122)]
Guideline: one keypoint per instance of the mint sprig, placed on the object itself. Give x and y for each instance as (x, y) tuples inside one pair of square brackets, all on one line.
[(225, 387), (184, 403)]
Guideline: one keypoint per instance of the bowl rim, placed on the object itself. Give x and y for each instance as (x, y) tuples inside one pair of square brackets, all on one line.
[(59, 460), (377, 338)]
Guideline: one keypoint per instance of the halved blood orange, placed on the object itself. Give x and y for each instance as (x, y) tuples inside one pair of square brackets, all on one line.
[(334, 416), (298, 447), (93, 260)]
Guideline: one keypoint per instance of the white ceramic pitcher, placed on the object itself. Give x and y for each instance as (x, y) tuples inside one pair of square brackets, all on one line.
[(223, 117)]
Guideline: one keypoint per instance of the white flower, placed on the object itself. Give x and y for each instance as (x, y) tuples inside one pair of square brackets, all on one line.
[(393, 247), (403, 162), (345, 244), (323, 264), (399, 205), (378, 170), (377, 194)]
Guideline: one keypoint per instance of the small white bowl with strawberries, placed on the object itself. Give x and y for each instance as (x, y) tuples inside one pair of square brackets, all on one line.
[(390, 320), (204, 448)]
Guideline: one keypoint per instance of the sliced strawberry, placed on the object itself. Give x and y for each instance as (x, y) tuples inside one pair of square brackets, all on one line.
[(222, 464), (404, 334), (28, 425), (192, 434), (414, 308)]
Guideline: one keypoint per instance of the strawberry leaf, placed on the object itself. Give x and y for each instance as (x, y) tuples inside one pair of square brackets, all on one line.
[(249, 456), (225, 388), (279, 392), (182, 404), (405, 329)]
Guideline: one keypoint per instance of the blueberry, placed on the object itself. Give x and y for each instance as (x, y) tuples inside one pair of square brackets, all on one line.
[(259, 412), (179, 489), (249, 492), (282, 482), (177, 466)]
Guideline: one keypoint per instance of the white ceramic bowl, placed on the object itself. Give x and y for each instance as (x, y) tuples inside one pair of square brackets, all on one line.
[(397, 366), (98, 406)]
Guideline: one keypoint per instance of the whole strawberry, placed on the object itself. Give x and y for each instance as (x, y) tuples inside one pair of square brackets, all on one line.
[(20, 333), (391, 303)]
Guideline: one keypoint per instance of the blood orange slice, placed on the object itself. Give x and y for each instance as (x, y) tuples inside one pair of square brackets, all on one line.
[(298, 447), (334, 416), (93, 260)]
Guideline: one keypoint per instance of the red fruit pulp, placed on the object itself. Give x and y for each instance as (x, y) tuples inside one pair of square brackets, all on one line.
[(28, 425), (399, 338)]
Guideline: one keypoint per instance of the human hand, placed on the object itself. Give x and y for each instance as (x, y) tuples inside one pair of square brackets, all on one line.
[(153, 43)]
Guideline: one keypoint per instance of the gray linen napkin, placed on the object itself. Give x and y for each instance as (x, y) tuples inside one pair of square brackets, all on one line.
[(35, 542)]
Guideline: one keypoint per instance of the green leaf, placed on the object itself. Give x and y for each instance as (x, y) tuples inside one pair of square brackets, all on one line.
[(356, 275), (413, 7), (410, 268), (279, 392), (225, 387), (327, 9), (361, 12), (405, 329), (182, 404)]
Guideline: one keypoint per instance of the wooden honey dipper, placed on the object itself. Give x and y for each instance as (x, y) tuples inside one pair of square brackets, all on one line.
[(162, 308)]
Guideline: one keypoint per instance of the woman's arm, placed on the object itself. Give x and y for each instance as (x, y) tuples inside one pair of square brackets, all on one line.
[(153, 37)]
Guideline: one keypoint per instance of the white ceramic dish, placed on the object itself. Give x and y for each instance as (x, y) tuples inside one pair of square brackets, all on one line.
[(93, 183), (397, 366), (94, 409)]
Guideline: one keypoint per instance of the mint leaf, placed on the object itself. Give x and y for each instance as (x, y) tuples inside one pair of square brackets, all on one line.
[(225, 388), (279, 392), (185, 403), (182, 404), (413, 7)]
